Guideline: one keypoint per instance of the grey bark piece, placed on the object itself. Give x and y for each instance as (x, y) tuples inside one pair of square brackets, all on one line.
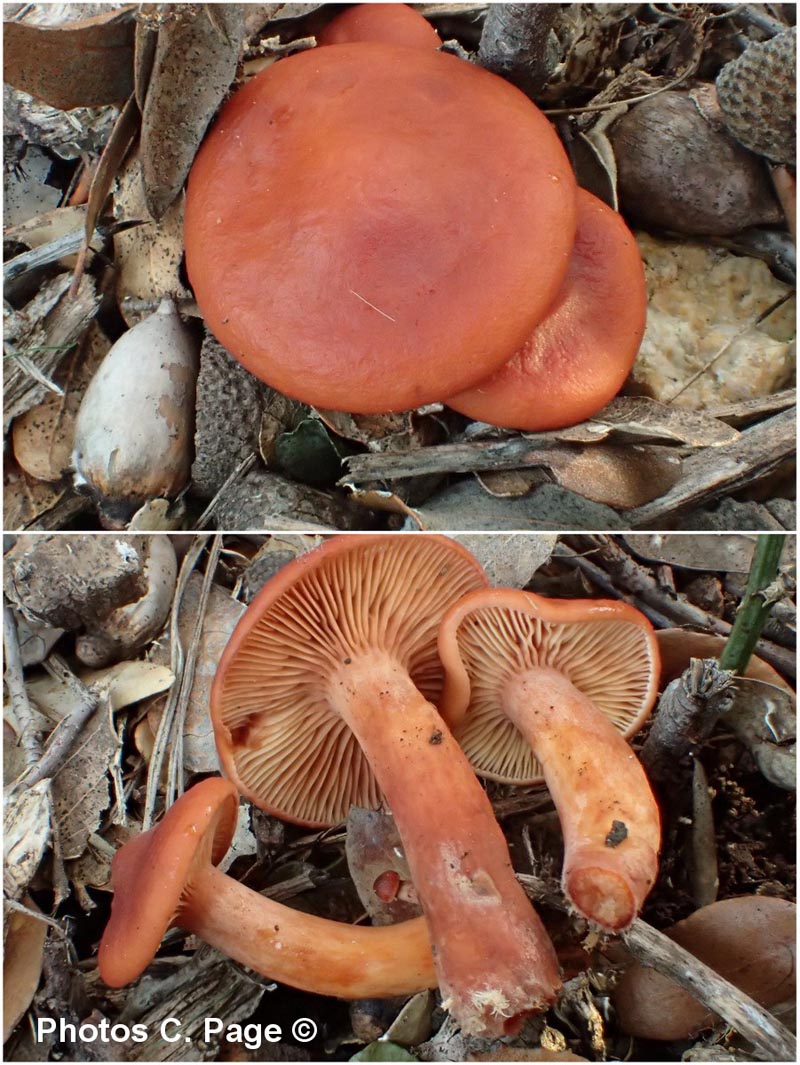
[(230, 402), (466, 506), (69, 581), (264, 500)]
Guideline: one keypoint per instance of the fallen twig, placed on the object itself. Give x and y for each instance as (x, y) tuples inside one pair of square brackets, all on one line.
[(663, 607), (772, 1040), (67, 731)]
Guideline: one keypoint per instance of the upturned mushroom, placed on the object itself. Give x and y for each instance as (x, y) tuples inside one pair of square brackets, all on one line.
[(390, 23), (370, 227), (578, 357), (540, 689), (167, 877), (323, 699)]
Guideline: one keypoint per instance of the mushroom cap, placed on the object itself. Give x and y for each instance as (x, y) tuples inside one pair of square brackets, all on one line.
[(390, 23), (578, 357), (277, 736), (150, 875), (607, 649), (372, 227)]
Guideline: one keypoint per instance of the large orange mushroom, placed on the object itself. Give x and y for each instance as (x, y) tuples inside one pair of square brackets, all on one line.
[(167, 877), (541, 689), (323, 699), (390, 23), (370, 227), (578, 357)]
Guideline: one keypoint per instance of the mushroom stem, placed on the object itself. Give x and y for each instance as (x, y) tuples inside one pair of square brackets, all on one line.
[(609, 818), (456, 852), (304, 951)]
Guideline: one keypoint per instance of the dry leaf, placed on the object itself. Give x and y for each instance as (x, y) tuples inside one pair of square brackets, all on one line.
[(26, 832), (122, 685), (639, 417), (509, 561), (222, 614), (93, 868), (373, 847), (413, 1024), (182, 96), (26, 501), (148, 257), (465, 505), (76, 64), (43, 436), (48, 227), (723, 553), (80, 788), (22, 964)]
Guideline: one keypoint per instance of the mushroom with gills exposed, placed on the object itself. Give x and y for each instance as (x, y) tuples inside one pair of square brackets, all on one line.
[(371, 227), (541, 689), (167, 877), (323, 700), (578, 357), (390, 23)]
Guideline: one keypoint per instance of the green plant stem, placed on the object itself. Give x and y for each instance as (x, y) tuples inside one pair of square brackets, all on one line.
[(755, 606)]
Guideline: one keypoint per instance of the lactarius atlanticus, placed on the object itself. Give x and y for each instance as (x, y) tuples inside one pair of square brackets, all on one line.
[(134, 428), (323, 700), (539, 688)]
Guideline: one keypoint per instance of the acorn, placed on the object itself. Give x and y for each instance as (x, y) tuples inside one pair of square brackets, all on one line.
[(133, 433), (758, 96), (679, 170)]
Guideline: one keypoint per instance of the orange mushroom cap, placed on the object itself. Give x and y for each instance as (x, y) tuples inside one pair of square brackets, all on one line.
[(578, 357), (390, 23), (152, 872), (607, 650), (372, 227), (278, 737)]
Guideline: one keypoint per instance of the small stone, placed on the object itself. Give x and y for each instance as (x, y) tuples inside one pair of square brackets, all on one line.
[(701, 299)]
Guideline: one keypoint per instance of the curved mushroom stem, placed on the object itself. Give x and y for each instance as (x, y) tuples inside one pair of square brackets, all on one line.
[(609, 818), (455, 849), (303, 951)]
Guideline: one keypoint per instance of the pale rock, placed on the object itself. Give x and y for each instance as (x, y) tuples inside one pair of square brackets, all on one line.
[(699, 299)]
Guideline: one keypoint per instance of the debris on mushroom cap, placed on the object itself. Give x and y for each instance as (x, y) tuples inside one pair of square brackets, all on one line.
[(270, 705), (193, 832), (750, 940), (606, 648), (375, 291), (578, 356), (133, 433), (391, 23)]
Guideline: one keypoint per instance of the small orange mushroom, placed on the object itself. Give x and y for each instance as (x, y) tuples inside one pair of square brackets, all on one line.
[(390, 23), (547, 689), (371, 227), (578, 357), (323, 699), (167, 877)]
